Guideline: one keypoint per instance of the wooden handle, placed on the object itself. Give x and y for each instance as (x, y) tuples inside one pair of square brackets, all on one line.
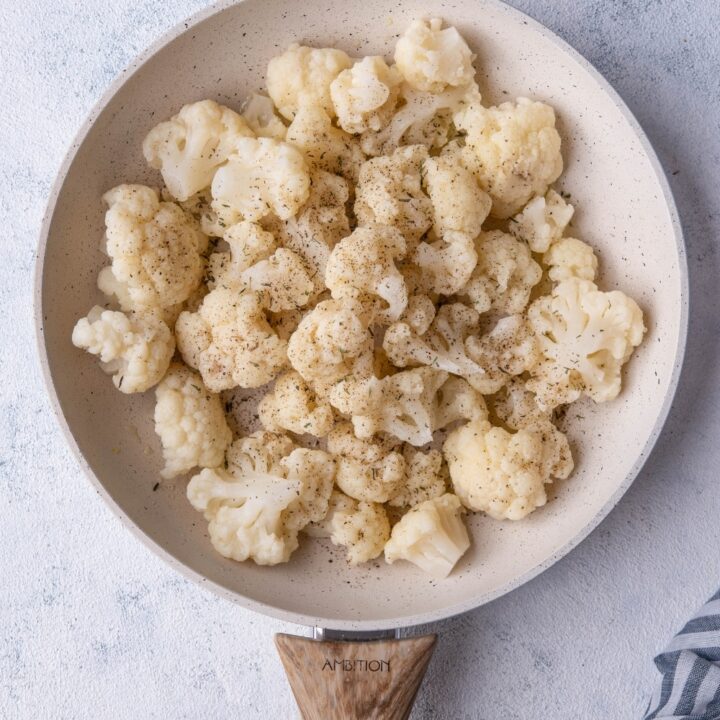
[(355, 680)]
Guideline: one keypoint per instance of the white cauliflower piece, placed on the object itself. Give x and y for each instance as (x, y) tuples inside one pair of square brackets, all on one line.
[(570, 258), (513, 149), (199, 206), (459, 203), (457, 400), (447, 264), (401, 405), (192, 145), (362, 267), (292, 405), (364, 96), (419, 313), (230, 341), (431, 535), (268, 493), (504, 275), (588, 334), (190, 423), (156, 248), (517, 407), (389, 192), (424, 479), (500, 473), (259, 114), (430, 59), (249, 244), (135, 348), (302, 76), (261, 176), (542, 221)]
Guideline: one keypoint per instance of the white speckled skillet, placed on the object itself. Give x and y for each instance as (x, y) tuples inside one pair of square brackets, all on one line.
[(624, 209)]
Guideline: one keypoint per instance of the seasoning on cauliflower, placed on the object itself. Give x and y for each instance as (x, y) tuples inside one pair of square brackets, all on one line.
[(261, 176), (459, 203), (292, 405), (430, 59), (389, 192), (419, 313), (570, 258), (431, 535), (447, 264), (156, 248), (367, 469), (302, 76), (588, 334), (542, 221), (259, 114), (513, 149), (362, 267), (401, 405), (190, 422), (364, 96), (424, 479), (282, 282), (230, 341), (517, 407), (191, 146), (268, 493), (199, 206), (249, 244), (457, 400), (135, 348), (504, 276)]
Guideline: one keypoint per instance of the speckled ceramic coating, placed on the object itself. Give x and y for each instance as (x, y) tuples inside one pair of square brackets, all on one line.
[(623, 209)]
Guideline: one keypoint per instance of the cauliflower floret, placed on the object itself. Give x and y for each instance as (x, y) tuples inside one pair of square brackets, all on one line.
[(136, 348), (269, 492), (249, 244), (364, 96), (367, 469), (459, 203), (430, 59), (389, 192), (457, 400), (362, 267), (501, 473), (302, 76), (513, 149), (156, 248), (259, 114), (516, 406), (282, 281), (447, 264), (424, 479), (570, 258), (325, 147), (190, 423), (431, 535), (199, 206), (261, 176), (191, 146), (401, 405), (292, 406), (230, 341), (588, 334), (419, 313), (542, 221), (504, 276)]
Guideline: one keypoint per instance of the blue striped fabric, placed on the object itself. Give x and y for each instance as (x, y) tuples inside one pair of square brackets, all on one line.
[(690, 668)]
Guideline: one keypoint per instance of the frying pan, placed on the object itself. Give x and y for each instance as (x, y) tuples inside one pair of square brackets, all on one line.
[(624, 209)]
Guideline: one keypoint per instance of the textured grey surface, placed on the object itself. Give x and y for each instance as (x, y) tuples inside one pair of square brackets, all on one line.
[(93, 626)]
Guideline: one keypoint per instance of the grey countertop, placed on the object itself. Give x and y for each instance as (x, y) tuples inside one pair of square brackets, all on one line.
[(94, 626)]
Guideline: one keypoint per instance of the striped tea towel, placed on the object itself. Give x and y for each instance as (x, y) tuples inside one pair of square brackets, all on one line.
[(690, 667)]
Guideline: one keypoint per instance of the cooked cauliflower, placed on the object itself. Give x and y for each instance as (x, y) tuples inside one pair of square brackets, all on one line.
[(362, 267), (447, 264), (542, 221), (268, 493), (301, 77), (430, 59), (588, 333), (424, 479), (364, 96), (259, 114), (135, 348), (570, 258), (431, 535), (190, 422), (504, 276), (282, 281), (500, 473), (457, 400), (192, 145), (199, 206), (156, 248), (419, 313), (516, 406), (249, 244), (389, 192), (261, 176), (513, 149), (292, 405), (459, 203), (230, 341)]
